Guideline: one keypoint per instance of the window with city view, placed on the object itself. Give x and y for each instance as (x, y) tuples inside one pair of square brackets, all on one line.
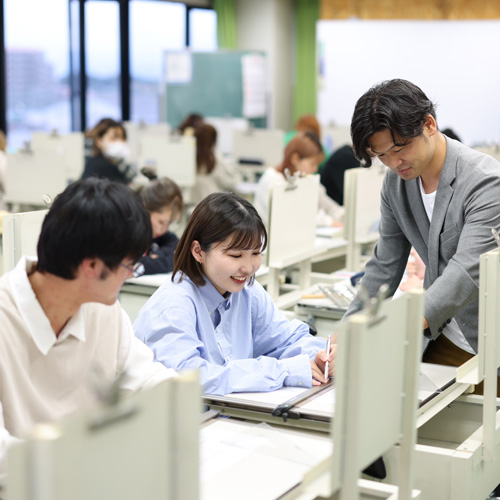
[(38, 60), (37, 67), (102, 61), (154, 28)]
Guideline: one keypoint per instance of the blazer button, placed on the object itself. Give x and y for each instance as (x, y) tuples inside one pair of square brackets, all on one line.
[(448, 321)]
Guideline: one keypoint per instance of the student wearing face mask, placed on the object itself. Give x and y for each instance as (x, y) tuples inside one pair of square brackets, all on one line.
[(303, 154), (109, 155), (163, 201)]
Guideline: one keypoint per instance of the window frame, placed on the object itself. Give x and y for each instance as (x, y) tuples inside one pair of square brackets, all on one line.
[(80, 123)]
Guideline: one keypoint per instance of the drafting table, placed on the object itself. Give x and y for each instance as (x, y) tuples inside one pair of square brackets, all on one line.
[(20, 236), (70, 146), (390, 324), (31, 175), (458, 451), (317, 410), (144, 446), (362, 211)]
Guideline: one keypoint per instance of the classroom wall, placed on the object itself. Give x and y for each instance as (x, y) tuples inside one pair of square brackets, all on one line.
[(268, 25), (454, 62)]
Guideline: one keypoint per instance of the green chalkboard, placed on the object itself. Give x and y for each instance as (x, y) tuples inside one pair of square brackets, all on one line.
[(215, 89)]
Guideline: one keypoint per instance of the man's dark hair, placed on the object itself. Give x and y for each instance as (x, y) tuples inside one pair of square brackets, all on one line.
[(395, 105), (93, 218)]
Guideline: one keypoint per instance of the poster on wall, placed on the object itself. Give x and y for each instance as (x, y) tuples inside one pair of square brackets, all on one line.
[(178, 67), (254, 70)]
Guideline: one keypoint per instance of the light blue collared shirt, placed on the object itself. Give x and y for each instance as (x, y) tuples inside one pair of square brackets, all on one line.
[(242, 343)]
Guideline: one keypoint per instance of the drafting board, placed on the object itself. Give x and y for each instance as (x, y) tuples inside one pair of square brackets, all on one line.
[(334, 137), (173, 157), (318, 409), (373, 352), (20, 236), (71, 146), (225, 131), (32, 175), (292, 229), (362, 210), (144, 447), (484, 366), (135, 131), (264, 145)]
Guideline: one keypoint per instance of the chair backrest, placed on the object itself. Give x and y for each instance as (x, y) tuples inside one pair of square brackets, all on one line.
[(20, 236), (173, 157), (146, 446), (378, 356), (362, 188)]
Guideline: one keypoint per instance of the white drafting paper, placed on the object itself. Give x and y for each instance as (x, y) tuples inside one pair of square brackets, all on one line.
[(278, 458)]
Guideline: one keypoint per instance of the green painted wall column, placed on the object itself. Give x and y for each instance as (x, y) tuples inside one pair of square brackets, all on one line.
[(304, 96), (226, 23)]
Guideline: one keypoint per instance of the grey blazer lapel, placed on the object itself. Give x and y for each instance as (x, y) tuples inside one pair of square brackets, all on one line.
[(443, 197), (418, 209)]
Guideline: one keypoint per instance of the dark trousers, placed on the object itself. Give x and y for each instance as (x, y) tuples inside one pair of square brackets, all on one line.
[(444, 352)]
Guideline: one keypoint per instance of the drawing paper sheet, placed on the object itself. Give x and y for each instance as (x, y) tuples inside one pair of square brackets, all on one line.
[(276, 459), (432, 379)]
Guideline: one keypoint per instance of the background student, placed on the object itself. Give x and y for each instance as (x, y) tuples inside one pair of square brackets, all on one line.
[(63, 335), (303, 154), (333, 171), (213, 172), (109, 155), (308, 123), (163, 201), (213, 315)]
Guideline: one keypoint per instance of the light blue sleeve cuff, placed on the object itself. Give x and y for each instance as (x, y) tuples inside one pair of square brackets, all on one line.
[(299, 371)]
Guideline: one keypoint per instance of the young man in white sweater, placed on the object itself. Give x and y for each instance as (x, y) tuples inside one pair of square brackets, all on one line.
[(62, 330)]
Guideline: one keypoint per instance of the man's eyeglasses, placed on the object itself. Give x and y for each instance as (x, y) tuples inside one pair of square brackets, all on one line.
[(136, 270)]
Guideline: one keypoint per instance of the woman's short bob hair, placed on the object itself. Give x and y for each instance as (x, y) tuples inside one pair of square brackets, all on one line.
[(217, 218)]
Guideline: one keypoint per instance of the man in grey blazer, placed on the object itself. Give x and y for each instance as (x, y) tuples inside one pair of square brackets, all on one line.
[(438, 196)]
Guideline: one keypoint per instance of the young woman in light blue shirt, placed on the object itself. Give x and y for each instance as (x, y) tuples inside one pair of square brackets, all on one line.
[(213, 315)]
